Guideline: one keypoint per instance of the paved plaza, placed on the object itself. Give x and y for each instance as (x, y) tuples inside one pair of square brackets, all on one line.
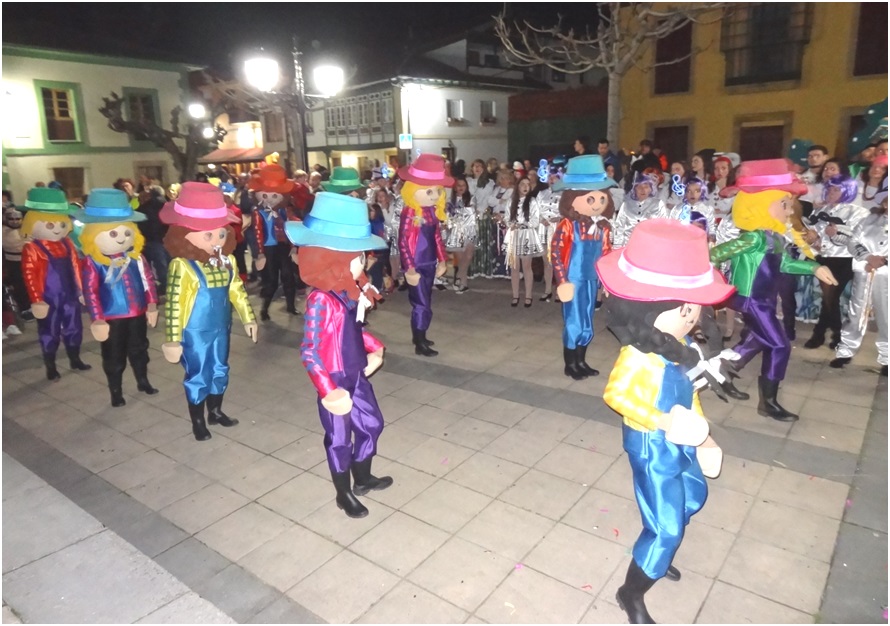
[(512, 500)]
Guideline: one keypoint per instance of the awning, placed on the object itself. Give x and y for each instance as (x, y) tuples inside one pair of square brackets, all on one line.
[(234, 155)]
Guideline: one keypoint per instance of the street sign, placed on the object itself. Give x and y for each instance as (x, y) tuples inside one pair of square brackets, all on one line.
[(406, 141)]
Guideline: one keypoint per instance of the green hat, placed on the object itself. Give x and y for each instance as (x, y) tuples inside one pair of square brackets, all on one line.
[(875, 129), (798, 150), (585, 173), (47, 200), (343, 180), (108, 206)]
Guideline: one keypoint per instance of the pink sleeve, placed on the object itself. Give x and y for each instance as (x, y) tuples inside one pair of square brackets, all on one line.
[(90, 280), (441, 254), (317, 318), (372, 344), (151, 290), (407, 239)]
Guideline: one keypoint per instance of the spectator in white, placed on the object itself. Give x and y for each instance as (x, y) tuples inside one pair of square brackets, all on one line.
[(315, 182), (870, 181)]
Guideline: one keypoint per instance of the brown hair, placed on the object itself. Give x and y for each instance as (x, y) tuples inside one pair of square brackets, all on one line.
[(569, 196), (329, 270), (178, 246)]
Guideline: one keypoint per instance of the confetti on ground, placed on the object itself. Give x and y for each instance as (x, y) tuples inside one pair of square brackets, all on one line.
[(444, 461), (592, 448), (510, 606), (604, 510), (519, 566), (588, 587), (849, 503), (885, 614), (615, 530), (779, 463), (812, 477)]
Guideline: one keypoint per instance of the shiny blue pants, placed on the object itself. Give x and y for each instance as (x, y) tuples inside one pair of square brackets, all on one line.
[(578, 315), (670, 488)]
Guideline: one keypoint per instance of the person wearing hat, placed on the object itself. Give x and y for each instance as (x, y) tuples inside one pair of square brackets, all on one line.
[(761, 210), (652, 309), (338, 353), (581, 237), (118, 286), (271, 190), (202, 287), (345, 180), (421, 249), (51, 271)]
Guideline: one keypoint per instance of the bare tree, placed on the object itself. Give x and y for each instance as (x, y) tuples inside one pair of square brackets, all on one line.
[(186, 146), (623, 31)]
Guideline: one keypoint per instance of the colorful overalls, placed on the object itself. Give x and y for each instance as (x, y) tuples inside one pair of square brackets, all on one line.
[(421, 248), (574, 261), (61, 291)]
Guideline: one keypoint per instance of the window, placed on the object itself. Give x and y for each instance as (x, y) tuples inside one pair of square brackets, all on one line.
[(455, 110), (761, 142), (487, 113), (273, 128), (154, 172), (871, 40), (58, 110), (765, 42), (557, 76), (673, 141), (71, 179), (674, 77), (141, 108)]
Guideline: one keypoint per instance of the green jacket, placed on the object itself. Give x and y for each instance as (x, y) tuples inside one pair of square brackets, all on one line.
[(746, 254)]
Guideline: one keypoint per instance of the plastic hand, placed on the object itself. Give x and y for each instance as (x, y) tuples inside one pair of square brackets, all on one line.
[(565, 292), (375, 360), (412, 277), (251, 330), (40, 309), (260, 262), (824, 274), (710, 458), (151, 314), (82, 300), (172, 351), (99, 330), (684, 427), (441, 268), (337, 402)]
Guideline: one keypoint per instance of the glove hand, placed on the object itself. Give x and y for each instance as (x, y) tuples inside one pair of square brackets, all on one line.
[(441, 268), (172, 351), (375, 360), (337, 402), (40, 309), (99, 330), (251, 329), (684, 427), (260, 262), (710, 458), (412, 277), (565, 292), (151, 315), (824, 274)]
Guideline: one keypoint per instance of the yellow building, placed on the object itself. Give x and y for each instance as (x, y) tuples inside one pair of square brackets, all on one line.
[(764, 74)]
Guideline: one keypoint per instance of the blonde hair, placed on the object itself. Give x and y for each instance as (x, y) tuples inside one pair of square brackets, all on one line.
[(750, 211), (32, 217), (91, 249), (410, 188)]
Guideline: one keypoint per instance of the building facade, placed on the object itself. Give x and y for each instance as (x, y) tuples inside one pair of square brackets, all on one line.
[(52, 128), (763, 74)]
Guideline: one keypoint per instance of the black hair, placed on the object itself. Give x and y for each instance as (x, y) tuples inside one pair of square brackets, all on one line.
[(818, 147), (603, 140), (841, 165), (526, 203), (467, 197), (646, 142)]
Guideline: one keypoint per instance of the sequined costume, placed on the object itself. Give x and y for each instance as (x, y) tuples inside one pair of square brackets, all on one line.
[(632, 213), (460, 227)]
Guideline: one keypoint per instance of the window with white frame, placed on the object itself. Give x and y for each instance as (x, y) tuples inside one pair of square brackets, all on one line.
[(455, 110), (488, 113)]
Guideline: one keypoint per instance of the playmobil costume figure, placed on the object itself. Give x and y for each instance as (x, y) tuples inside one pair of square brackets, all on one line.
[(869, 247), (118, 286), (581, 237), (337, 352), (761, 211), (202, 286), (642, 203), (652, 306), (51, 271), (421, 249), (271, 189)]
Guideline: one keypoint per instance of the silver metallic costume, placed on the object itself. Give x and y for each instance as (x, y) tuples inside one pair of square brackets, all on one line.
[(632, 213)]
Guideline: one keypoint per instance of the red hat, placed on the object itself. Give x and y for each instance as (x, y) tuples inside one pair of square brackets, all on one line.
[(767, 175), (199, 206), (272, 179), (664, 260), (428, 170)]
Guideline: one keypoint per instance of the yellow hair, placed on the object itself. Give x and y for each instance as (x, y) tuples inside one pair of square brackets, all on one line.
[(750, 210), (32, 217), (91, 231), (407, 193)]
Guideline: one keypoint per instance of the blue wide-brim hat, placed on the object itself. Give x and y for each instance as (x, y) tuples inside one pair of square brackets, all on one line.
[(108, 206), (585, 173), (336, 222)]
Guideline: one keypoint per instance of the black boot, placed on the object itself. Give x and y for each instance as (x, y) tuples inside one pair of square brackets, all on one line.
[(769, 406), (115, 385), (365, 481), (581, 353), (839, 362), (420, 344), (74, 359), (570, 356), (346, 500), (49, 360), (835, 340), (630, 595), (673, 574), (215, 414), (140, 370), (117, 397), (264, 311), (816, 340), (199, 426), (730, 390)]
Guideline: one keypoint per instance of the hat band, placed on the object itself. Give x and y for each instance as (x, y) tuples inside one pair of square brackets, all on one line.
[(107, 211), (333, 229), (647, 277), (425, 175), (765, 180), (595, 177), (204, 214), (46, 206)]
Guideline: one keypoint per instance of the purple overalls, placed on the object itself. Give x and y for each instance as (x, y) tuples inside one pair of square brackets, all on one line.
[(60, 292)]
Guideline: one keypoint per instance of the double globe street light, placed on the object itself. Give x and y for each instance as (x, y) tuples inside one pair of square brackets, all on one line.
[(262, 73)]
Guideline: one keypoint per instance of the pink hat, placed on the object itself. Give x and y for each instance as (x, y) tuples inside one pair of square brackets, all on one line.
[(664, 260), (199, 206), (767, 175), (428, 170)]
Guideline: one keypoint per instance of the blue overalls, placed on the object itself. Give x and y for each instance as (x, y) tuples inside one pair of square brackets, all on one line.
[(205, 341), (578, 314), (668, 482)]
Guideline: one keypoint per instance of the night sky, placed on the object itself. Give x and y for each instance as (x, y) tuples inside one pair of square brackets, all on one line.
[(221, 34)]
